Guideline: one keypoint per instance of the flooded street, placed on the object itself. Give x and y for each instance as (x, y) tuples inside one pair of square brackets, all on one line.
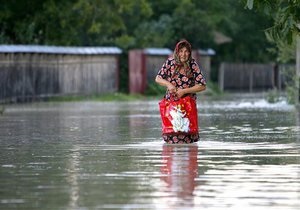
[(110, 155)]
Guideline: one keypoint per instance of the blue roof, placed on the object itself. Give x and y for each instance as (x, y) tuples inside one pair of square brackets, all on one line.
[(157, 51), (166, 51), (58, 49)]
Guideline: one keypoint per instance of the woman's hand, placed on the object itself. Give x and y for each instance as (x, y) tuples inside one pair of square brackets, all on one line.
[(180, 93), (171, 88), (196, 88)]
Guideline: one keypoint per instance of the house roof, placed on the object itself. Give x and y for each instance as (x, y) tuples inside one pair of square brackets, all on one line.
[(166, 51), (58, 49), (157, 51)]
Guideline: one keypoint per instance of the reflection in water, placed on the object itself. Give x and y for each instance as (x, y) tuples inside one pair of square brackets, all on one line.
[(82, 156), (179, 171), (72, 178)]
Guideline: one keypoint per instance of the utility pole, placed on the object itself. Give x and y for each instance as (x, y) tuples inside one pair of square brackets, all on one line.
[(297, 70)]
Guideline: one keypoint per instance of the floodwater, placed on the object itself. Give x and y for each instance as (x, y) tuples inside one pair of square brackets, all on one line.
[(110, 155)]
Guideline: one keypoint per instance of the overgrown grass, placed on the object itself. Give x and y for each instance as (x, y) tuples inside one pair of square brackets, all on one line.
[(291, 90), (153, 91), (291, 84), (104, 97), (2, 110), (273, 96), (213, 89)]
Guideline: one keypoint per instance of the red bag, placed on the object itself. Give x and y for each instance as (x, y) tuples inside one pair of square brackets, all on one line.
[(179, 116)]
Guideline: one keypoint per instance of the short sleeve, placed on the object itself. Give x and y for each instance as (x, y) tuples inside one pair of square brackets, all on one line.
[(199, 78), (165, 71)]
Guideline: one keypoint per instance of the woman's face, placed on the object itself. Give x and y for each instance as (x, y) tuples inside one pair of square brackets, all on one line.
[(183, 54)]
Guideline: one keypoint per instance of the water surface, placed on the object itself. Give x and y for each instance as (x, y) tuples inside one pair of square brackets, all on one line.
[(109, 155)]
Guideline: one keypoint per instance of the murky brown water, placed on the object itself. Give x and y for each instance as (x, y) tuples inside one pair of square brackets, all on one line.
[(92, 155)]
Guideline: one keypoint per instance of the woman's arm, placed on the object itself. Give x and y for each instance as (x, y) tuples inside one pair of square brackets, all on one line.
[(196, 88), (159, 80)]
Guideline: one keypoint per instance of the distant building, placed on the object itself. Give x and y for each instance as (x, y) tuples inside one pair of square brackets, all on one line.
[(143, 66), (29, 71), (203, 58)]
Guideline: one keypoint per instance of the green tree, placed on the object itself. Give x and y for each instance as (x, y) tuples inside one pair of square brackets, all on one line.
[(247, 33), (286, 16), (285, 27), (285, 31), (69, 22), (154, 33), (16, 24), (137, 24)]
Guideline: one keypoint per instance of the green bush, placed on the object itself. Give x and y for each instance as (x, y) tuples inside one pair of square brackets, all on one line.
[(154, 89), (273, 96)]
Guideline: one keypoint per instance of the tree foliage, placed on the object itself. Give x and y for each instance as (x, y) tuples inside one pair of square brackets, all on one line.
[(285, 27), (286, 15), (136, 24)]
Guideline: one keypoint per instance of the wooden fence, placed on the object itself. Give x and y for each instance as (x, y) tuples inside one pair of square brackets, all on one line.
[(29, 72), (246, 76), (255, 77)]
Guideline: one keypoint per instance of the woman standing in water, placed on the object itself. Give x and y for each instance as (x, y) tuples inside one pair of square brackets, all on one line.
[(181, 75)]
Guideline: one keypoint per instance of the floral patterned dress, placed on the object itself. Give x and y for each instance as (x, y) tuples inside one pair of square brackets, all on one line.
[(180, 80)]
